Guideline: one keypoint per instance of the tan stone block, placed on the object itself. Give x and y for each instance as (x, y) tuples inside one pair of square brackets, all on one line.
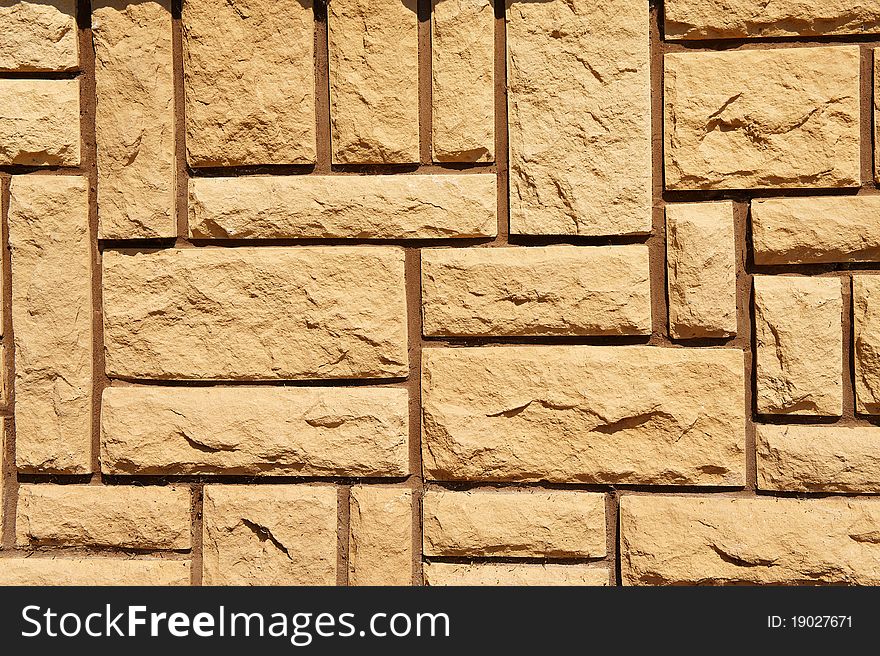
[(514, 574), (135, 118), (580, 117), (270, 535), (584, 414), (39, 122), (523, 522), (38, 35), (156, 517), (737, 19), (374, 75), (701, 268), (90, 572), (799, 340), (876, 114), (818, 458), (866, 331), (716, 540), (553, 290), (250, 82), (463, 71), (816, 230), (52, 320), (255, 313), (255, 431), (380, 536), (353, 206), (748, 119)]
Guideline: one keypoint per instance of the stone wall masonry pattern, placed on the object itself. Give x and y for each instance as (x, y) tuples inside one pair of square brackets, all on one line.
[(439, 292)]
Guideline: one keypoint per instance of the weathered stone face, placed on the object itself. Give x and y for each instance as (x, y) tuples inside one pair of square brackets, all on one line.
[(380, 536), (579, 117), (555, 290), (255, 314), (278, 535), (39, 122), (591, 414), (250, 82), (38, 36), (36, 571), (762, 540), (750, 119), (514, 574), (866, 333), (559, 524)]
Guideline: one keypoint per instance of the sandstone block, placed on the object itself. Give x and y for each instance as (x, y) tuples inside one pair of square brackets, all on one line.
[(866, 330), (557, 523), (156, 517), (701, 268), (818, 458), (744, 119), (374, 73), (380, 536), (799, 345), (514, 574), (816, 230), (579, 117), (255, 313), (737, 19), (135, 118), (94, 571), (38, 36), (876, 114), (553, 290), (463, 98), (249, 76), (586, 414), (255, 431), (52, 319), (355, 206), (39, 122), (692, 540), (270, 535)]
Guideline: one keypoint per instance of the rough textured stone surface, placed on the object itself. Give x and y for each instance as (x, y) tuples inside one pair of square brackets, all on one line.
[(255, 313), (463, 98), (818, 458), (736, 19), (380, 536), (250, 82), (556, 523), (579, 111), (786, 117), (866, 329), (258, 430), (135, 120), (52, 319), (156, 517), (588, 414), (39, 122), (553, 290), (815, 230), (93, 571), (513, 574), (669, 540), (374, 73), (278, 535), (876, 115), (38, 36), (701, 269), (799, 342), (356, 206)]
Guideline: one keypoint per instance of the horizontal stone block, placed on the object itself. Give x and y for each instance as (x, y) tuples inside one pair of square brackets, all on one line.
[(585, 414), (156, 517), (751, 119), (90, 572), (557, 523), (553, 290), (255, 313), (351, 206), (692, 540), (254, 431), (514, 574)]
